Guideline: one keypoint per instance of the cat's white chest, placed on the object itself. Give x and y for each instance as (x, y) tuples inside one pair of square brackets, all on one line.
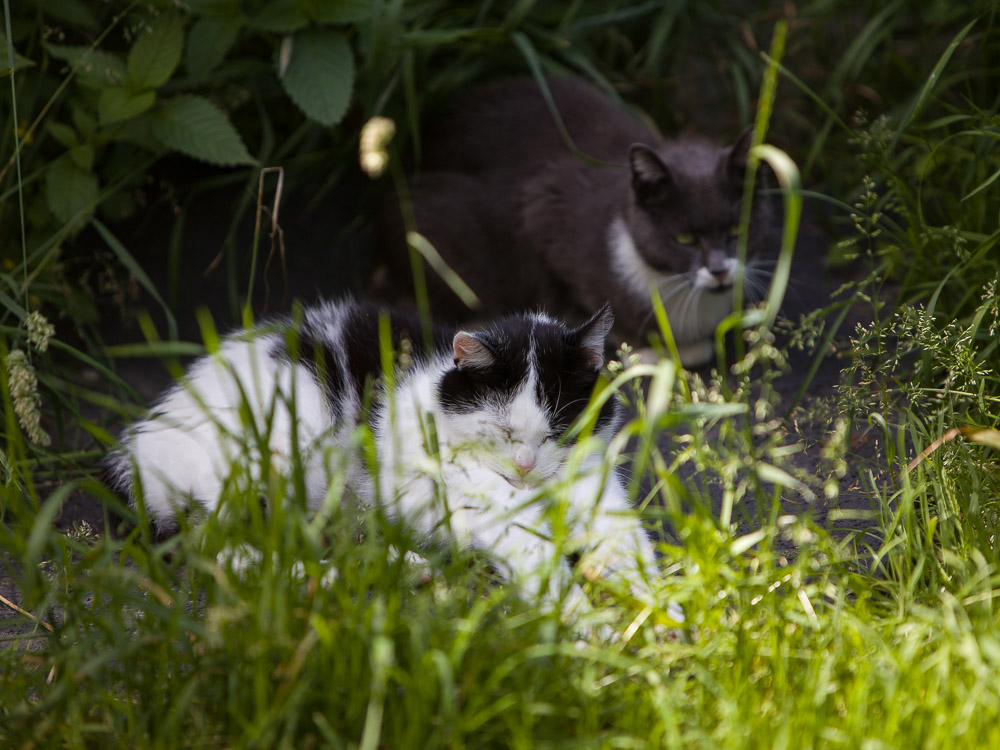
[(693, 310)]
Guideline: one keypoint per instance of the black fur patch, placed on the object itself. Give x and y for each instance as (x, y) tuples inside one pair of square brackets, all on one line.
[(357, 360), (566, 379), (467, 390)]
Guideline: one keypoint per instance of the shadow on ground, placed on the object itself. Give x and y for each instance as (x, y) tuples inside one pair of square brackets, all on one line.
[(322, 261)]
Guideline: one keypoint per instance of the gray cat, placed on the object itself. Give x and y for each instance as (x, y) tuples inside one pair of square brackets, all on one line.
[(528, 223)]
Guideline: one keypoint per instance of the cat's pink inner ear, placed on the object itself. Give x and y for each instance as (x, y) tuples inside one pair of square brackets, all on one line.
[(470, 352), (593, 333)]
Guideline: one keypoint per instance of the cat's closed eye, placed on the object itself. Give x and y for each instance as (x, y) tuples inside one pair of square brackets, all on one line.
[(685, 238)]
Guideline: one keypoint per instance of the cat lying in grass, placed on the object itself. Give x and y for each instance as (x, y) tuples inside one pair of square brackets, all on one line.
[(468, 433), (525, 221)]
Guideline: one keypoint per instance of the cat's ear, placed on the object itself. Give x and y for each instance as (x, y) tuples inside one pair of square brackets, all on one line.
[(651, 180), (592, 334), (735, 162), (471, 353)]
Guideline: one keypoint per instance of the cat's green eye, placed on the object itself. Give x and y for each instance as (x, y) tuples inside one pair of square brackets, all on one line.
[(685, 238)]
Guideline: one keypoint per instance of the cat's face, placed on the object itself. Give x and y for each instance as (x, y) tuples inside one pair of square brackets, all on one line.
[(685, 212), (515, 389)]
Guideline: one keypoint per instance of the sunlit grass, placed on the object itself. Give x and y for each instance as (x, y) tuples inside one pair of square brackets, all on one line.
[(794, 637)]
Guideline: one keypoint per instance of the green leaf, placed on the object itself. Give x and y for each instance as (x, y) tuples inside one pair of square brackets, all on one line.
[(280, 16), (83, 156), (157, 53), (72, 12), (196, 127), (217, 8), (94, 68), (70, 191), (208, 42), (319, 74), (337, 11), (83, 120), (19, 60), (117, 103), (64, 134)]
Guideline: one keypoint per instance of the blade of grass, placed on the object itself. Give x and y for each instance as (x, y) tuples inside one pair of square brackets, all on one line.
[(527, 50), (920, 101), (136, 270)]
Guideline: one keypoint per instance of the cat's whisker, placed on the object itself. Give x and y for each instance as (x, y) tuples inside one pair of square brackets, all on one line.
[(755, 283), (690, 311), (676, 284), (668, 288), (667, 291), (558, 413), (753, 288)]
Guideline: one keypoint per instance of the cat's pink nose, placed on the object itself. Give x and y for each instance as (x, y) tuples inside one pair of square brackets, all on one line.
[(524, 459)]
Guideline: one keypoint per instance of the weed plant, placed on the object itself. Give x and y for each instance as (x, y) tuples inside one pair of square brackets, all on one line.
[(335, 637)]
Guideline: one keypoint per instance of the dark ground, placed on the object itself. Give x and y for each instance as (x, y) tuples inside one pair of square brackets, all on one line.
[(322, 262)]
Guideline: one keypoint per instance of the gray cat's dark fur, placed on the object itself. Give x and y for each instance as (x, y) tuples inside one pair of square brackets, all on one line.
[(526, 223)]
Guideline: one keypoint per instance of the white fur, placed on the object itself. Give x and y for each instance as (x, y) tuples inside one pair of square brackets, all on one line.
[(481, 488), (472, 491), (693, 309), (196, 432)]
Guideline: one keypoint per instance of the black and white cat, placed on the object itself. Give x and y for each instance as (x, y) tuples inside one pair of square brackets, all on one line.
[(526, 222), (497, 402)]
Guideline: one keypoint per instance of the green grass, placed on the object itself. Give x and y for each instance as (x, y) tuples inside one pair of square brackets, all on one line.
[(796, 637)]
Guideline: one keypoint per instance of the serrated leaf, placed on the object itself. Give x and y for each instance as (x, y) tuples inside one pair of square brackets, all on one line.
[(19, 60), (208, 42), (280, 16), (156, 54), (83, 156), (83, 120), (118, 103), (70, 191), (138, 131), (95, 68), (320, 74), (64, 134), (337, 11), (194, 126)]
